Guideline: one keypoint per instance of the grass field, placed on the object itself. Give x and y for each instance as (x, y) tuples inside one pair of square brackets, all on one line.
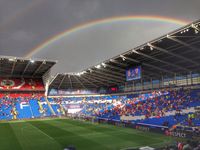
[(55, 134)]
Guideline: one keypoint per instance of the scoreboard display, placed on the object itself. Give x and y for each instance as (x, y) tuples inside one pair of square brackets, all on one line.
[(133, 73)]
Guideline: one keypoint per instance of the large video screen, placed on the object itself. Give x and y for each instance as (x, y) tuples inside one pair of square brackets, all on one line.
[(133, 73)]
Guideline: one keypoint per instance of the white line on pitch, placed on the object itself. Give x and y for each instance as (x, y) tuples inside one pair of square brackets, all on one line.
[(41, 131)]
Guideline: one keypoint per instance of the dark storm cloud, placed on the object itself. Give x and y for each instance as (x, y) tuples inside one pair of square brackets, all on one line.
[(25, 24)]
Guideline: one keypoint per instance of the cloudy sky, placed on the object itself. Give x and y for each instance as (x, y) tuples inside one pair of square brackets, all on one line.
[(24, 25)]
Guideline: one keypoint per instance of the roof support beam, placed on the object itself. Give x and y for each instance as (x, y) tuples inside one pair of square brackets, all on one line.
[(91, 78), (110, 76), (114, 67), (181, 60), (61, 81), (156, 67), (79, 82), (52, 80), (27, 65), (103, 79), (36, 71), (113, 72), (185, 36), (13, 67), (147, 76), (88, 81), (173, 54), (173, 48), (70, 81), (156, 59), (116, 62), (183, 43)]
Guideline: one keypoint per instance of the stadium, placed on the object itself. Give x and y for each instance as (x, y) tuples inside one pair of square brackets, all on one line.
[(145, 98)]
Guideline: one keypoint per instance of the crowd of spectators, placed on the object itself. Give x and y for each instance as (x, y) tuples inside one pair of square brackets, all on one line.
[(156, 104), (153, 106), (6, 106)]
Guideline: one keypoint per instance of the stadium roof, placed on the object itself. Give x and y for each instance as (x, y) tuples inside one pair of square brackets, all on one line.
[(20, 67), (177, 52)]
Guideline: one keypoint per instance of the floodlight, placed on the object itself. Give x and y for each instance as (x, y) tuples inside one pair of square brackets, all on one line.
[(32, 61), (98, 66)]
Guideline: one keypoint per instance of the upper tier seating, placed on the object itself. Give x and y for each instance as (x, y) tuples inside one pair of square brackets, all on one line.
[(21, 84)]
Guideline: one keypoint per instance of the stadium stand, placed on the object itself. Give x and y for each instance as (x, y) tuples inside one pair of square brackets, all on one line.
[(166, 95), (22, 90), (167, 107), (21, 84)]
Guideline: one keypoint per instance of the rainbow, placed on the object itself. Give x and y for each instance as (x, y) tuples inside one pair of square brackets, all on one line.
[(104, 21)]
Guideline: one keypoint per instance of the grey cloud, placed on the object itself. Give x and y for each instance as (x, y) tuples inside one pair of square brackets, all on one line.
[(26, 24)]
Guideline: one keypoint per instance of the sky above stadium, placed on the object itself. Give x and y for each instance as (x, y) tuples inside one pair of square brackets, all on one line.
[(83, 33)]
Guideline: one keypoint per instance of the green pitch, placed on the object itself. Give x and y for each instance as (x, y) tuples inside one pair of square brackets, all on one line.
[(55, 134)]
